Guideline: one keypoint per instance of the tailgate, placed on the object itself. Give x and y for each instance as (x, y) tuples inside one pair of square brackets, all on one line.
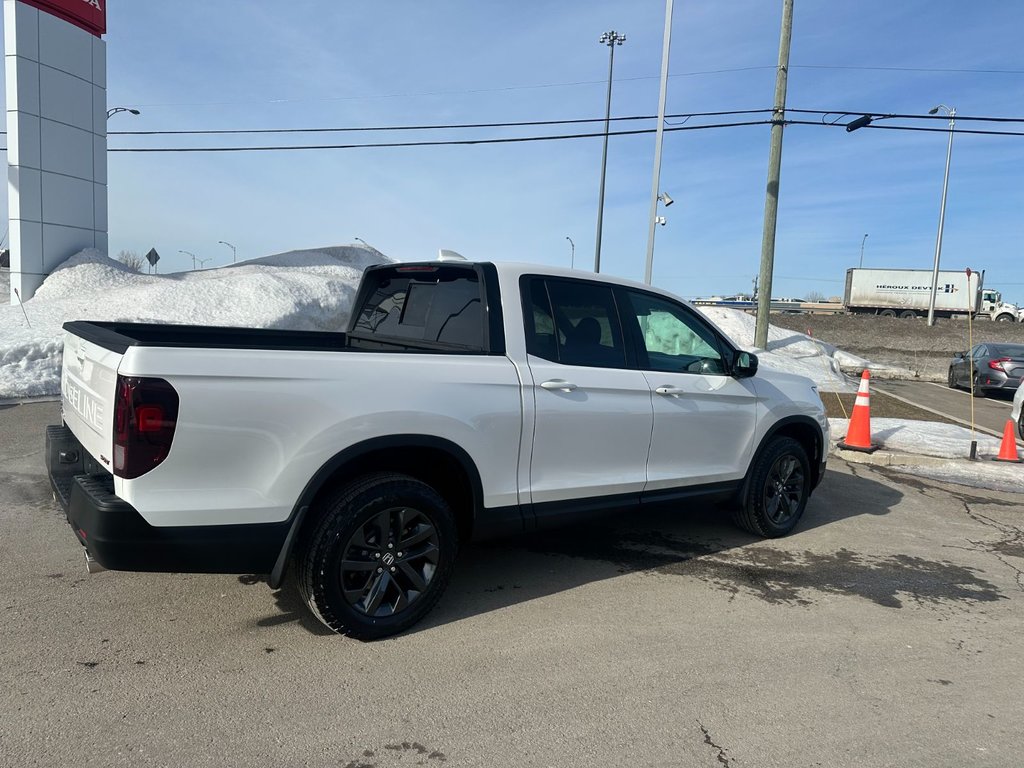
[(87, 384)]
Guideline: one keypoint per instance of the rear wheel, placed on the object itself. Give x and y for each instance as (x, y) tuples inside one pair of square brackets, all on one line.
[(888, 313), (951, 379), (978, 391), (1020, 424), (379, 557), (906, 314), (777, 489)]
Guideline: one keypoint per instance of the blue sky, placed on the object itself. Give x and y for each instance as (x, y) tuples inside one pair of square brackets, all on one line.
[(261, 64)]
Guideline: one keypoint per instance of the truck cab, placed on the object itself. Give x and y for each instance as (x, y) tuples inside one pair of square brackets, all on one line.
[(992, 304)]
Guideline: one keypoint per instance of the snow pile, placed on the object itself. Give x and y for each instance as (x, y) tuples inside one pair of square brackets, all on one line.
[(943, 441), (788, 350), (300, 290)]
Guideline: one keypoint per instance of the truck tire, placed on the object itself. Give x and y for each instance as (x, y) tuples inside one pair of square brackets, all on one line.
[(379, 557), (1005, 318), (778, 485), (888, 313), (907, 314)]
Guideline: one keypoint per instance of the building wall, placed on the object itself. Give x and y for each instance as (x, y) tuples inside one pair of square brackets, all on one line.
[(56, 142)]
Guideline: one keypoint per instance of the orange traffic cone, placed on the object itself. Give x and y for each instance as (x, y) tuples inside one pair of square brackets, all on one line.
[(858, 436), (1008, 449)]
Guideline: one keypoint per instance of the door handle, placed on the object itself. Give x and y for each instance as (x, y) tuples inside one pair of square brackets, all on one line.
[(560, 384), (673, 391)]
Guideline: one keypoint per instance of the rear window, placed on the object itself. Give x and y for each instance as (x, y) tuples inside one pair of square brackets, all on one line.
[(435, 305), (1007, 350)]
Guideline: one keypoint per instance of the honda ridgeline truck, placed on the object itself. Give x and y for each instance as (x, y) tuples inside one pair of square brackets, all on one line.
[(463, 400)]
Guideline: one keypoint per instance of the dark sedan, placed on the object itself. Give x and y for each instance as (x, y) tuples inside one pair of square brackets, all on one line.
[(992, 366)]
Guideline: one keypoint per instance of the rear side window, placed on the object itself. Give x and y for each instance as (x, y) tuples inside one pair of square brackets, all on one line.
[(574, 323), (436, 305)]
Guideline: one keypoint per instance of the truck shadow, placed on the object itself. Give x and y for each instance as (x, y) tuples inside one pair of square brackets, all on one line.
[(700, 544)]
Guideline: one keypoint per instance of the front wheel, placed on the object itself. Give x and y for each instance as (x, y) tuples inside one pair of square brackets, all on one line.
[(379, 557), (778, 486)]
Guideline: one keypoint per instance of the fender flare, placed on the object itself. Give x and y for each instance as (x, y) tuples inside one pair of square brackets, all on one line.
[(354, 452)]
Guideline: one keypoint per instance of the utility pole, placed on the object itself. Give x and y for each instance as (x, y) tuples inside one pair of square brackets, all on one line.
[(771, 202), (611, 39)]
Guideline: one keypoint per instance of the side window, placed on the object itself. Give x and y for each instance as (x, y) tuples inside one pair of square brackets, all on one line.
[(574, 323), (675, 340), (432, 304), (979, 352)]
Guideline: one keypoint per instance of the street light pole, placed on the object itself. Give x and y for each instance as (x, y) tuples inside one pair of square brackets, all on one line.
[(229, 245), (658, 140), (862, 249), (611, 39), (572, 256), (372, 248), (189, 253), (951, 111)]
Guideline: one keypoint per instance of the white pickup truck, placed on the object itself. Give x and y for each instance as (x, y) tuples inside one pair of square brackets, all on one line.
[(464, 400)]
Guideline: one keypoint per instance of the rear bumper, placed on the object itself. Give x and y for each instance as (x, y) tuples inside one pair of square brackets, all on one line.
[(120, 539)]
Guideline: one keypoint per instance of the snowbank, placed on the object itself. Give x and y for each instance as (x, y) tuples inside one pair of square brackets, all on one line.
[(302, 290), (787, 350)]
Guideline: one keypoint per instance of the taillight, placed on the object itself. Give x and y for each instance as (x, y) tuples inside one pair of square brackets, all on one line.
[(997, 365), (145, 415)]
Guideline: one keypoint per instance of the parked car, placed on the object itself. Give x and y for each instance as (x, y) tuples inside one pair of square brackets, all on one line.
[(992, 366)]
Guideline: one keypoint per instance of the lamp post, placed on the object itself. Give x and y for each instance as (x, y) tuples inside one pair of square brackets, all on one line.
[(371, 248), (234, 252), (862, 249), (654, 219), (572, 253), (189, 253), (114, 110), (611, 39), (203, 261), (951, 111)]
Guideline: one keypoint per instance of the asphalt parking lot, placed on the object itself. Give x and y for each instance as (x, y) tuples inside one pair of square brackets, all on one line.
[(887, 630)]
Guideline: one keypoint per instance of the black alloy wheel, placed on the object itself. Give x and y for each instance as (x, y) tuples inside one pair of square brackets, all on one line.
[(784, 490), (389, 561), (776, 490), (378, 556)]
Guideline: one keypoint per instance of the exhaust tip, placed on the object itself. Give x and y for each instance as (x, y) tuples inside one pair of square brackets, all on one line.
[(92, 565)]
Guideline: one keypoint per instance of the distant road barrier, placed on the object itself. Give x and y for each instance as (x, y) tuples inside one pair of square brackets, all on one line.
[(809, 307)]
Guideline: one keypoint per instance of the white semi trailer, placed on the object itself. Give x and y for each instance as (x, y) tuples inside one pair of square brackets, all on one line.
[(906, 293)]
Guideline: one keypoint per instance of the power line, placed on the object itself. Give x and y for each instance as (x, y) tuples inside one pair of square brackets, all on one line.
[(967, 131), (429, 127), (563, 137), (445, 143)]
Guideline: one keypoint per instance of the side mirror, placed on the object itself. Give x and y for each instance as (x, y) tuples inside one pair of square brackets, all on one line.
[(745, 366), (960, 355)]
